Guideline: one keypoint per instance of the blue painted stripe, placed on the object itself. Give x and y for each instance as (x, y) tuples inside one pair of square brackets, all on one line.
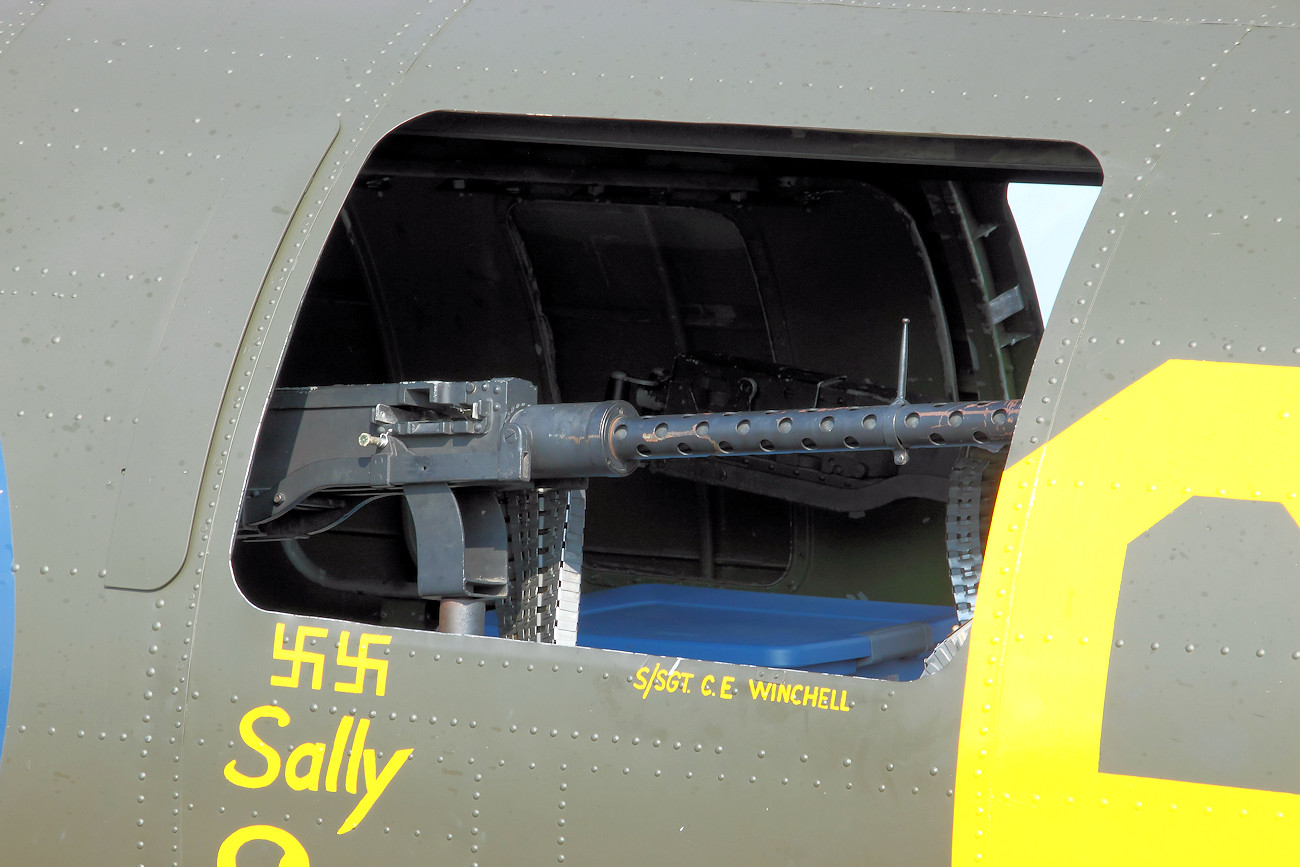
[(6, 601)]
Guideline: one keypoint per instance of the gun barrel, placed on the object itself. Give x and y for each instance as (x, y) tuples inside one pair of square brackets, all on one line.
[(610, 439), (842, 429)]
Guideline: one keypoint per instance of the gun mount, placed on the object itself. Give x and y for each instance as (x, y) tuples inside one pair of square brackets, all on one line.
[(457, 451)]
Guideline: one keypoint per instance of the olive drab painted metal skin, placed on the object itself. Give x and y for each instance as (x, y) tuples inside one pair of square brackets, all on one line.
[(6, 596), (170, 176)]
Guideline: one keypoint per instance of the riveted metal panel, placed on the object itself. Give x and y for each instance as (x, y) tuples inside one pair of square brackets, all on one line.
[(525, 752), (6, 599), (163, 154), (241, 233), (1260, 13), (1181, 256), (1201, 683), (119, 127)]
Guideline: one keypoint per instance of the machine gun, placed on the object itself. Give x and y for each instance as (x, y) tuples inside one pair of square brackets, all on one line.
[(456, 451)]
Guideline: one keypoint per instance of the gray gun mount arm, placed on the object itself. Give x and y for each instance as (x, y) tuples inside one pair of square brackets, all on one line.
[(445, 445)]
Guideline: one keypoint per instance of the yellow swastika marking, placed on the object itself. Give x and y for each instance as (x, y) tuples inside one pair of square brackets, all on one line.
[(363, 663), (298, 656)]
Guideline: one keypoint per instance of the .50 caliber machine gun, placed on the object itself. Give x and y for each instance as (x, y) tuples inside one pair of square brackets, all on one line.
[(457, 451)]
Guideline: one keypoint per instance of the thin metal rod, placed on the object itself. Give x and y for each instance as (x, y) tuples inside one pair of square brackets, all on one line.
[(902, 366)]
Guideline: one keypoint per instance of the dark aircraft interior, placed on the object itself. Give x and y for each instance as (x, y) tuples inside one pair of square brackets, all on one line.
[(684, 269)]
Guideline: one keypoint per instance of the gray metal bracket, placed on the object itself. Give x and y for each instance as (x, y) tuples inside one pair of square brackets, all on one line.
[(460, 541)]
